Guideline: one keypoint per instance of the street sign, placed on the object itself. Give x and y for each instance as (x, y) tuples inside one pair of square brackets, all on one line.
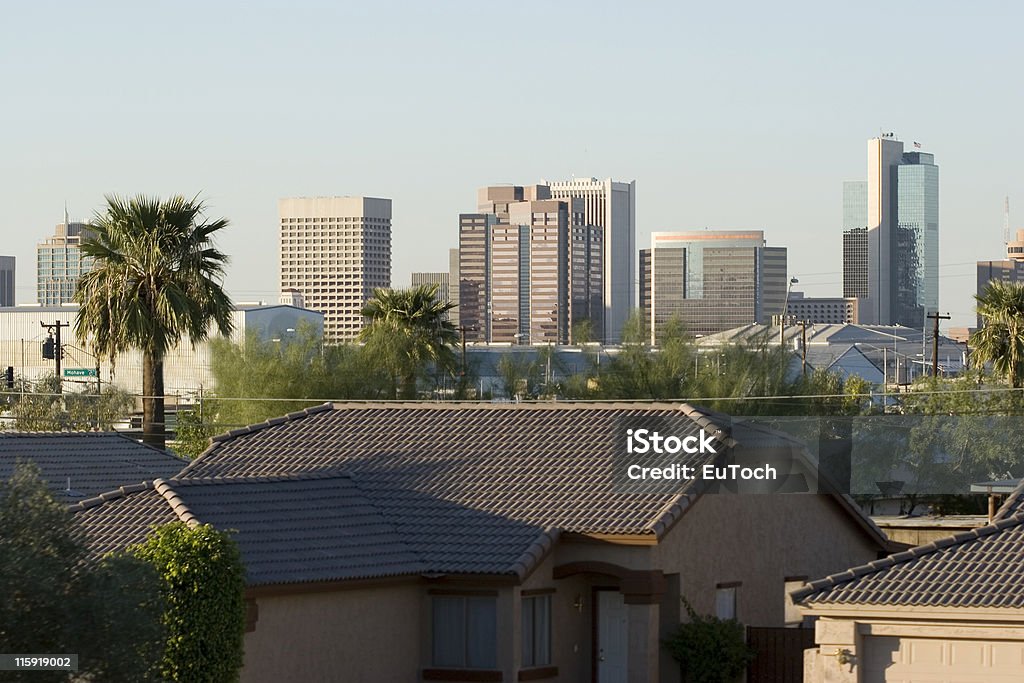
[(79, 372)]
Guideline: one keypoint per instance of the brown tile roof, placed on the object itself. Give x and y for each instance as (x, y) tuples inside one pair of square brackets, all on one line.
[(983, 567), (539, 465), (1013, 505), (92, 462), (311, 527), (371, 490)]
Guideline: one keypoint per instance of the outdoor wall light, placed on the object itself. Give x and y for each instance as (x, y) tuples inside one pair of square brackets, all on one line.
[(578, 603)]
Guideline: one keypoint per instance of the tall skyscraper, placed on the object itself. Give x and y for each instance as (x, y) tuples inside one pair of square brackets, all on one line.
[(7, 279), (529, 267), (855, 239), (60, 263), (712, 280), (335, 251), (610, 206), (895, 215)]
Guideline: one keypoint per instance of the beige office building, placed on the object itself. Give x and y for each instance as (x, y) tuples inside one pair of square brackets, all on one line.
[(334, 252)]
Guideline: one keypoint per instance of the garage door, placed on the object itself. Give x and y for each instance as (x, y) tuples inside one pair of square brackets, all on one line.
[(939, 660)]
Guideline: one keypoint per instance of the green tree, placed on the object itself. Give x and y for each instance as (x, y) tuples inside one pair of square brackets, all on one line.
[(1000, 341), (203, 592), (156, 279), (41, 408), (57, 599), (520, 375), (263, 378), (191, 433), (408, 334)]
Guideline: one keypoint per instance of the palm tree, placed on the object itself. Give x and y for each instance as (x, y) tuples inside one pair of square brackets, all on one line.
[(1001, 339), (407, 331), (156, 278)]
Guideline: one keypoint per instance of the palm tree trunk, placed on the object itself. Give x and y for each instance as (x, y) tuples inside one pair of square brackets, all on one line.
[(153, 432)]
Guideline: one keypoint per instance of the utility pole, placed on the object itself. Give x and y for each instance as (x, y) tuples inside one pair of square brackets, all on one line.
[(462, 330), (935, 341), (58, 349), (803, 347)]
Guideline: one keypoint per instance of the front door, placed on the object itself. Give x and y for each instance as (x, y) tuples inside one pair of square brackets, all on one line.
[(612, 637)]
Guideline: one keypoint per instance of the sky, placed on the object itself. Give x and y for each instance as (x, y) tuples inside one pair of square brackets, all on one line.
[(727, 115)]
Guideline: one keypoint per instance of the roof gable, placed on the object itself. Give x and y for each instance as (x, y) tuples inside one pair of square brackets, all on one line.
[(79, 465), (978, 568)]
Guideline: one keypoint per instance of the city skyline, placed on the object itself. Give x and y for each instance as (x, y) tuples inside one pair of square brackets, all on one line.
[(723, 138)]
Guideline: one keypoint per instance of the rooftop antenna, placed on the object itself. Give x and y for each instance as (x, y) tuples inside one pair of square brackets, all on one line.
[(1006, 221)]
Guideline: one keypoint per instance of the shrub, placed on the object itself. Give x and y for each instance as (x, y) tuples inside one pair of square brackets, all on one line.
[(204, 584), (709, 649)]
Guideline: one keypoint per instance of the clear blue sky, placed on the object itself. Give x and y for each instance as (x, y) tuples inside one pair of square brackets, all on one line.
[(741, 115)]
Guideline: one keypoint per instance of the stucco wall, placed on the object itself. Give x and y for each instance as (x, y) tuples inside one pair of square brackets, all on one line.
[(759, 540), (354, 635)]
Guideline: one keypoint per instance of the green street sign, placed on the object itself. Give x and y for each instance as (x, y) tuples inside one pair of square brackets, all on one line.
[(79, 372)]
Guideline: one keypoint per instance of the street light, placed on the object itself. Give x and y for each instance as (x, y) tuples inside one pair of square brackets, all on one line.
[(785, 311)]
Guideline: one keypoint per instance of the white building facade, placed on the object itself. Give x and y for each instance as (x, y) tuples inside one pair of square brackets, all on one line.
[(187, 370), (334, 251), (610, 205)]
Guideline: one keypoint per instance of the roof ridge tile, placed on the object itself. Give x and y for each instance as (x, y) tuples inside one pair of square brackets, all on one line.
[(106, 497), (180, 508)]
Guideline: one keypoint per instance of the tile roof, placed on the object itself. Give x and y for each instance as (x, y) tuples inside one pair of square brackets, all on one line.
[(79, 465), (1013, 505), (311, 527), (982, 567), (350, 491), (539, 465)]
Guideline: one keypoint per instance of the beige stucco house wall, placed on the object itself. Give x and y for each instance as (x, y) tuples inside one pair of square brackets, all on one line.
[(382, 632), (360, 634)]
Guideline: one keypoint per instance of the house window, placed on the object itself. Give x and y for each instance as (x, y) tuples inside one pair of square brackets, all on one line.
[(725, 600), (536, 619), (465, 631)]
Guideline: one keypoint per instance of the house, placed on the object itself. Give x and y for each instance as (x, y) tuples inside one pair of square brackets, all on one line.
[(79, 465), (950, 610), (493, 542)]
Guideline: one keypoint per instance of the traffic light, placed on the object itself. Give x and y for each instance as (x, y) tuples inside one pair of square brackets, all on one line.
[(48, 348), (9, 376)]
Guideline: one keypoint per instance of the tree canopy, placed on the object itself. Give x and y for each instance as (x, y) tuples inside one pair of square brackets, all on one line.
[(156, 280), (409, 334)]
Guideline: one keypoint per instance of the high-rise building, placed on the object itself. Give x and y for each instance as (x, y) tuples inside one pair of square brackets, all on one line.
[(530, 269), (896, 213), (610, 206), (855, 239), (474, 274), (7, 279), (438, 279), (713, 280), (1010, 269), (335, 251), (60, 263)]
